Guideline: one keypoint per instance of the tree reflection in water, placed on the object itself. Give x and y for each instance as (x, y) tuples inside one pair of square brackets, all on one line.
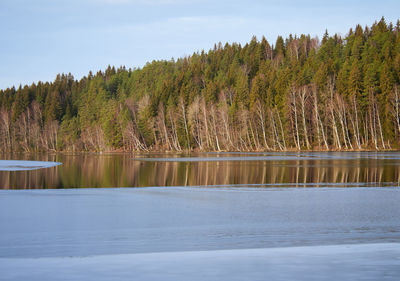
[(123, 170)]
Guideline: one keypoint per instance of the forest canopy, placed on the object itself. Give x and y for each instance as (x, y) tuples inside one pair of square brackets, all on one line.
[(300, 93)]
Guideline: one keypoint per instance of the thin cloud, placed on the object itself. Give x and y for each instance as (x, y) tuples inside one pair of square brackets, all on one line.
[(143, 2)]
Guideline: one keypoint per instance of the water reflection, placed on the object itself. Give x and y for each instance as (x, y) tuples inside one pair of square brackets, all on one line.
[(122, 170)]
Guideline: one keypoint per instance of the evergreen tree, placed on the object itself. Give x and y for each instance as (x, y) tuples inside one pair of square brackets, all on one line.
[(342, 93)]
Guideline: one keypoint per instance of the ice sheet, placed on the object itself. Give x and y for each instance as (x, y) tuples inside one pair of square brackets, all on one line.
[(23, 165), (84, 222), (177, 233), (336, 262), (274, 156)]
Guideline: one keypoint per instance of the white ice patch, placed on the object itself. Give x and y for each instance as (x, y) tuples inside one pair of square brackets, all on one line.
[(218, 159), (336, 262), (24, 165), (270, 156)]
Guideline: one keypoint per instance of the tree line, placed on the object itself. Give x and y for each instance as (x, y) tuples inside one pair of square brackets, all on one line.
[(302, 93)]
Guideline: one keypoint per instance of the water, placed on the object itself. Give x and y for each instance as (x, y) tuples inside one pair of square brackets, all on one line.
[(223, 169), (255, 216)]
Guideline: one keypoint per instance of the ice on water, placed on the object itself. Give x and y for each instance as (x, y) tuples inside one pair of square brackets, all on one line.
[(178, 233), (275, 156), (23, 165)]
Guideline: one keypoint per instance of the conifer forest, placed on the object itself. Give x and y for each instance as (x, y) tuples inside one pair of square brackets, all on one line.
[(338, 92)]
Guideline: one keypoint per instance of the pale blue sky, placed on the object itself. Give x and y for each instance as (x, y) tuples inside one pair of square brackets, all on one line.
[(40, 38)]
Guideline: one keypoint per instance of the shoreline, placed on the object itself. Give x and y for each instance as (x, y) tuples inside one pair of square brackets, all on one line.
[(196, 151)]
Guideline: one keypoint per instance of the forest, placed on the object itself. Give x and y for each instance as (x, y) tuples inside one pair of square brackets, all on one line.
[(301, 93)]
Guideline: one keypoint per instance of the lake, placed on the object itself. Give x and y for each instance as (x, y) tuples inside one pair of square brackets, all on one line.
[(214, 216), (317, 169)]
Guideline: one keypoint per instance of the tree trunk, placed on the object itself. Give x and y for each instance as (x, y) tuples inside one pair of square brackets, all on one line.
[(303, 101)]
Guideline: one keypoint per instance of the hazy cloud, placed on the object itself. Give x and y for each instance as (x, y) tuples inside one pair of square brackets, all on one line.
[(145, 2)]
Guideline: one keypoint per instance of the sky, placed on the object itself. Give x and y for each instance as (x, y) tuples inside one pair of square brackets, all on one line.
[(41, 38)]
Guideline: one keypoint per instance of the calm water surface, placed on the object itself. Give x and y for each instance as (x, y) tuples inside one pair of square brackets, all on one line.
[(221, 169)]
